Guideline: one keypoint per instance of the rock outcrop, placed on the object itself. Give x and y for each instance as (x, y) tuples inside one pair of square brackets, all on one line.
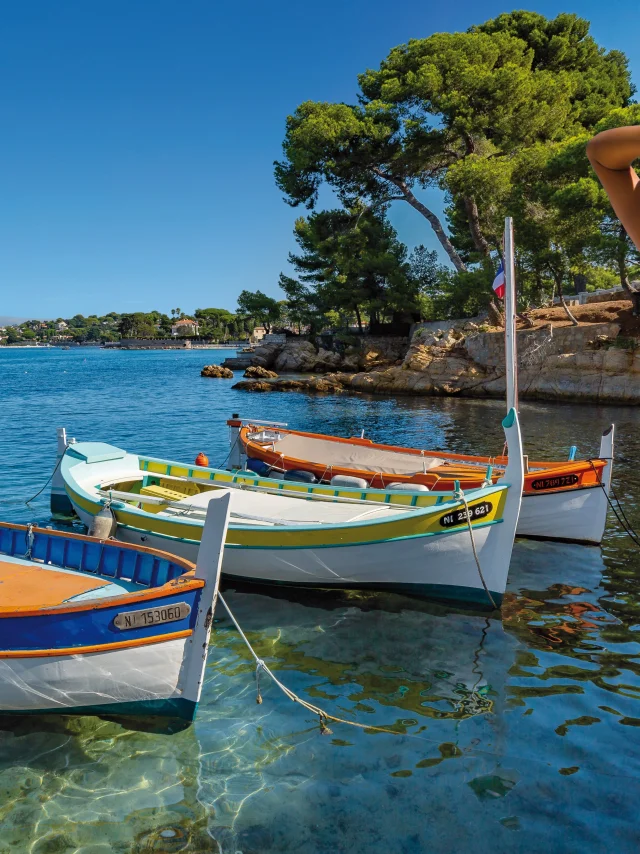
[(590, 362), (256, 372), (330, 384), (216, 371), (299, 356)]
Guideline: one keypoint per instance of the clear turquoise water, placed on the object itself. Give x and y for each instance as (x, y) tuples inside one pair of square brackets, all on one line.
[(516, 735)]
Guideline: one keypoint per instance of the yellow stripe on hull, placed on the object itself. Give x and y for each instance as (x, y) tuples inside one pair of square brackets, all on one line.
[(408, 525)]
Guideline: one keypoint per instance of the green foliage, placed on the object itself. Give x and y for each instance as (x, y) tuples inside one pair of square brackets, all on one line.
[(352, 262), (498, 118), (261, 308), (137, 325)]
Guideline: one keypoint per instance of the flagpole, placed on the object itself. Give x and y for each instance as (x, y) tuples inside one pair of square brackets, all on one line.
[(510, 307)]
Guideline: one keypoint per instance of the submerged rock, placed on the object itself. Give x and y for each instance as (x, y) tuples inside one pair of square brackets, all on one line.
[(330, 384)]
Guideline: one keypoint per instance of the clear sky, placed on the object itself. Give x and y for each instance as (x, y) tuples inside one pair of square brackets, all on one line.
[(138, 137)]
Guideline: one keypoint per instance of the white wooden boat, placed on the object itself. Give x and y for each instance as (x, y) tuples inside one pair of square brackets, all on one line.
[(561, 500), (100, 627), (327, 543)]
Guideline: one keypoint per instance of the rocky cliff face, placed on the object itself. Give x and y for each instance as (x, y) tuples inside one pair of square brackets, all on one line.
[(567, 363), (584, 363), (298, 356)]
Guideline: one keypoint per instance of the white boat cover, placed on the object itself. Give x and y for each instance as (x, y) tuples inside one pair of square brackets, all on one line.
[(326, 452), (259, 507)]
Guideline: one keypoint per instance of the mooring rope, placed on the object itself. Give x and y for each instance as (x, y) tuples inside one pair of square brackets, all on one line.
[(323, 716), (231, 450), (459, 494), (624, 523), (48, 481)]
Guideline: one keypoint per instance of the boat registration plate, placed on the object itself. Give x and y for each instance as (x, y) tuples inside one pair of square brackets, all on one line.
[(459, 517), (555, 482), (152, 616)]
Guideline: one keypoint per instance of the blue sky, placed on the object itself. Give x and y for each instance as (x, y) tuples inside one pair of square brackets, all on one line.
[(138, 137)]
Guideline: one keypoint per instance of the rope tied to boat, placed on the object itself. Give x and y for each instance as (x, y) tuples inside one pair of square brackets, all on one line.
[(47, 482), (618, 511), (29, 538), (460, 496), (321, 714)]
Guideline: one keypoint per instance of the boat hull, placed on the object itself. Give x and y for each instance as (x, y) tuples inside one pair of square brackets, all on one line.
[(90, 626), (439, 567), (141, 680), (578, 516)]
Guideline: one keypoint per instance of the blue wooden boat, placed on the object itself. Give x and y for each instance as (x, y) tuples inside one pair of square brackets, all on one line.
[(92, 626)]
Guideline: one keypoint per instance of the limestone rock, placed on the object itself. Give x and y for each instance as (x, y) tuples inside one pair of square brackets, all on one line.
[(296, 357), (256, 372), (238, 363), (217, 371)]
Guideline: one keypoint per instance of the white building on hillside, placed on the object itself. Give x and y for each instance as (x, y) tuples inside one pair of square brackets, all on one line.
[(186, 326)]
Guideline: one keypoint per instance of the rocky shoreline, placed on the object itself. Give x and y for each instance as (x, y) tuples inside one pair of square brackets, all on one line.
[(593, 362)]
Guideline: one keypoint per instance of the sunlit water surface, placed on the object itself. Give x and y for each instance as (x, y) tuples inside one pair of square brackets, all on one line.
[(514, 735)]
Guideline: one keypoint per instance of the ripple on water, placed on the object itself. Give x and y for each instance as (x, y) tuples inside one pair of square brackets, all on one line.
[(512, 735)]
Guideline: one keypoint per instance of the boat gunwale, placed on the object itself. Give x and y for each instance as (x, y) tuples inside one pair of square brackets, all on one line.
[(479, 493), (182, 584), (266, 453)]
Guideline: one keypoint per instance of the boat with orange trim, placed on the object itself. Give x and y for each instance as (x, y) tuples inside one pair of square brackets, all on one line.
[(311, 539), (91, 626), (561, 500)]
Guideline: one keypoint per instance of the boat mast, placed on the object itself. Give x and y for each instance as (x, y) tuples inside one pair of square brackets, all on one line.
[(510, 308)]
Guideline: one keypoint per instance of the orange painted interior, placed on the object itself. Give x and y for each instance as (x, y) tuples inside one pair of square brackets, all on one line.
[(182, 583), (22, 584)]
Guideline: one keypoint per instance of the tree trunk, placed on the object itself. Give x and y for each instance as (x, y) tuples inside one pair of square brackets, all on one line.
[(436, 225), (473, 216), (429, 215), (359, 319), (633, 295), (558, 280), (496, 318)]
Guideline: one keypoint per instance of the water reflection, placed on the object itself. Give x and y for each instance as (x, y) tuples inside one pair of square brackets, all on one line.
[(512, 735)]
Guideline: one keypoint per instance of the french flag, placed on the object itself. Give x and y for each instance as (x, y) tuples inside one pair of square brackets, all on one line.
[(499, 283)]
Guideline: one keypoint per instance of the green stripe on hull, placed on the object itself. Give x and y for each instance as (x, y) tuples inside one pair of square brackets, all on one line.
[(177, 707)]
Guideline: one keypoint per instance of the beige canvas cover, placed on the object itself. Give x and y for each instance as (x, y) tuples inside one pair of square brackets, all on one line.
[(328, 453)]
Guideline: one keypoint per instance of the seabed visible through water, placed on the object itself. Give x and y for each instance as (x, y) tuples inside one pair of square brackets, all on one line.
[(514, 735)]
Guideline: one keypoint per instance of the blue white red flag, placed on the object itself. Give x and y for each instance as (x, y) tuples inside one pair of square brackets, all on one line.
[(499, 283)]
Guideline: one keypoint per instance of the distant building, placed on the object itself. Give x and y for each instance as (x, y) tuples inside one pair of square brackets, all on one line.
[(185, 327), (258, 334), (61, 326)]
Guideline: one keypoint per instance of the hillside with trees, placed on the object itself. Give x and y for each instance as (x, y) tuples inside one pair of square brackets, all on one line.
[(215, 324)]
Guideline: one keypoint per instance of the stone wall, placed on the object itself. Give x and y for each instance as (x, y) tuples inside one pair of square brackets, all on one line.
[(602, 295)]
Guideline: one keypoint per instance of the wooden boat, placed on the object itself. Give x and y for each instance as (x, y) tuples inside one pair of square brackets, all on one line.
[(327, 543), (561, 500), (100, 627)]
